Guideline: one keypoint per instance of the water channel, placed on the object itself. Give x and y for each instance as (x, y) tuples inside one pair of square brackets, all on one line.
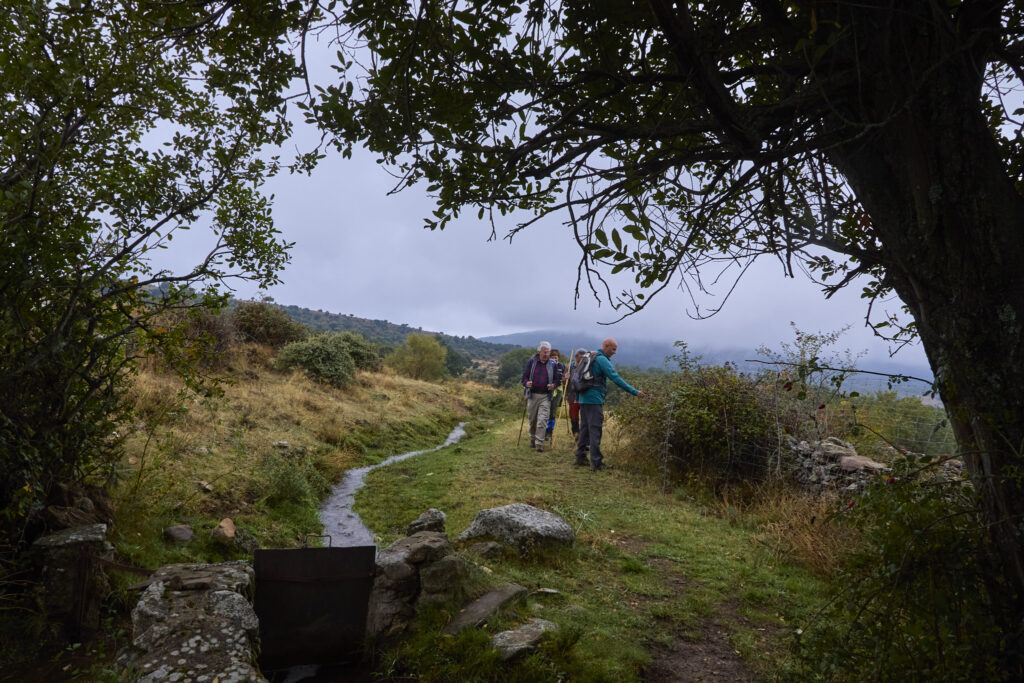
[(340, 522)]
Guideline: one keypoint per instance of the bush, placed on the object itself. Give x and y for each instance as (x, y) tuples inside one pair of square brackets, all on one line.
[(323, 357), (912, 602), (265, 323), (710, 421), (363, 352)]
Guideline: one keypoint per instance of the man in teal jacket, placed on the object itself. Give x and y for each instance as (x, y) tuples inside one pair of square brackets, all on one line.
[(592, 406)]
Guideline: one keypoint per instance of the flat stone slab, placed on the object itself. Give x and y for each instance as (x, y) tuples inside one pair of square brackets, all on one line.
[(522, 639), (852, 463), (481, 609)]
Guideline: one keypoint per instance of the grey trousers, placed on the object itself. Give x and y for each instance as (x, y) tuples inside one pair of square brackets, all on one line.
[(538, 407), (591, 424)]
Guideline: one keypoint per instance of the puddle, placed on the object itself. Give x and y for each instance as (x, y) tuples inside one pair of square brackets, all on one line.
[(342, 524)]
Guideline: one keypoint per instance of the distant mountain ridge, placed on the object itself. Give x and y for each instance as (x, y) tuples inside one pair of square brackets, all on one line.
[(391, 334), (645, 353)]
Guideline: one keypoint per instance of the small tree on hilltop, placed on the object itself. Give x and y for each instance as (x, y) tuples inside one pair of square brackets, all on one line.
[(421, 357)]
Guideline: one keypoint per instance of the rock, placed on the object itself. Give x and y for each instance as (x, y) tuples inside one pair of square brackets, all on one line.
[(486, 549), (192, 623), (72, 586), (224, 532), (522, 526), (431, 520), (423, 546), (280, 444), (834, 448), (68, 517), (179, 533), (204, 486), (396, 586), (481, 609), (522, 639), (443, 580), (852, 463), (246, 541)]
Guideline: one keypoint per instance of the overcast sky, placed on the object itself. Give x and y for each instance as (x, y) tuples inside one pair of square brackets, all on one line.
[(359, 251)]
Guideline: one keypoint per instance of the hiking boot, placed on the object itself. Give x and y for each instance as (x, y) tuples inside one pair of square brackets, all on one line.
[(540, 449), (600, 466)]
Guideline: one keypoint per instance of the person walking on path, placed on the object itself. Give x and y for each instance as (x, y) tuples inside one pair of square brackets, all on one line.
[(556, 396), (570, 396), (540, 377), (592, 406)]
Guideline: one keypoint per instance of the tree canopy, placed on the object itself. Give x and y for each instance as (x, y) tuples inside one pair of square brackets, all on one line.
[(873, 142), (123, 124)]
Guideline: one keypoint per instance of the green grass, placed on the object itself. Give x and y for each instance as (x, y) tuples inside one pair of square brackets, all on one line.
[(646, 568)]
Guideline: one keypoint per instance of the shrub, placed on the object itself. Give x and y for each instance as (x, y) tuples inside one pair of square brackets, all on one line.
[(710, 421), (323, 357), (265, 323), (363, 352), (912, 602)]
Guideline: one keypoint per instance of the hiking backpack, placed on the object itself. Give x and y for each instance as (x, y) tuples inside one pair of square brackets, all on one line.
[(583, 374)]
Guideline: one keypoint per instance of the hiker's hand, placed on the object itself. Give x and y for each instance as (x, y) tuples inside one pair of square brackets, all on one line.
[(550, 387), (529, 385), (641, 394)]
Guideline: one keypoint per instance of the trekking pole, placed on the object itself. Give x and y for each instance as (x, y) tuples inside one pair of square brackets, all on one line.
[(526, 403)]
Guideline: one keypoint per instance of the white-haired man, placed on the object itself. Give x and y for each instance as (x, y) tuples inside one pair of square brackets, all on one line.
[(540, 377)]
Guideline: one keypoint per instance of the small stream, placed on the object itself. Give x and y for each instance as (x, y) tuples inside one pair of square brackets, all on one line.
[(340, 522)]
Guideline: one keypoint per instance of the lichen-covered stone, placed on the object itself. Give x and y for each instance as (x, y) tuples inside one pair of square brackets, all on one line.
[(195, 618), (521, 639), (522, 526)]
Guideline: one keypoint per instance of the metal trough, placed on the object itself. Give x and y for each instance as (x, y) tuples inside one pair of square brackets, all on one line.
[(311, 603)]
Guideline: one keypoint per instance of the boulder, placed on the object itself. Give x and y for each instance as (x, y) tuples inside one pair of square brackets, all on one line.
[(521, 526), (431, 520), (179, 533), (521, 639), (224, 533)]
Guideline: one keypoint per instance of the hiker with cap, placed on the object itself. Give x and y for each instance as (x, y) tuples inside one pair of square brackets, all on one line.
[(591, 390), (540, 377)]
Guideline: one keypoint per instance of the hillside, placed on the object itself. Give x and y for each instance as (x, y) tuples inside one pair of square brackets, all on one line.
[(392, 334)]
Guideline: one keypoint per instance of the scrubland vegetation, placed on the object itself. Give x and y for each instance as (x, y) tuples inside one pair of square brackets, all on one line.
[(696, 551)]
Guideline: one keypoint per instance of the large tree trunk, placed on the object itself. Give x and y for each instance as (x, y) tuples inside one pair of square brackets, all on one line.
[(951, 224)]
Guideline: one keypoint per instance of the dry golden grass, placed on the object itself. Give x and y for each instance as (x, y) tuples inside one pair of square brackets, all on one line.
[(802, 527), (189, 455)]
